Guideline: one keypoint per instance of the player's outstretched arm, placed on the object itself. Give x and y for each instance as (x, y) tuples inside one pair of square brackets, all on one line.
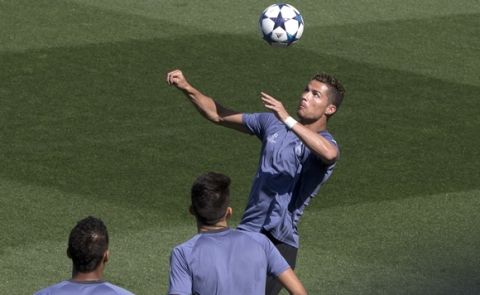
[(291, 282), (206, 105)]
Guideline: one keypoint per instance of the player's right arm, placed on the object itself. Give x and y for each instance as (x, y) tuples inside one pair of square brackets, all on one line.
[(291, 282), (206, 106)]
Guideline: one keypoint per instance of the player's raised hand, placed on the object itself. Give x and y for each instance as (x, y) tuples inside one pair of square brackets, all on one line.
[(177, 79), (274, 105)]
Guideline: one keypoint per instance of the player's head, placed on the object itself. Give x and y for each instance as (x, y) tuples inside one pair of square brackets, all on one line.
[(88, 244), (322, 96), (336, 91), (210, 198)]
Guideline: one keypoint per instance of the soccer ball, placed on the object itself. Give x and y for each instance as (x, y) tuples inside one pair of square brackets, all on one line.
[(281, 25)]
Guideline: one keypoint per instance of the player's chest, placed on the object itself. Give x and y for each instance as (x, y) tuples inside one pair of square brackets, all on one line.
[(284, 148)]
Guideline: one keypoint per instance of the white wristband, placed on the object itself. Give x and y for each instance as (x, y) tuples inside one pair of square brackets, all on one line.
[(290, 122)]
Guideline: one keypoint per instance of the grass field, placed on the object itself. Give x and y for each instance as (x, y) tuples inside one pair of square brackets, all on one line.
[(88, 127)]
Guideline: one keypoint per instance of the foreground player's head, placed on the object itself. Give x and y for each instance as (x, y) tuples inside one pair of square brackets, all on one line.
[(88, 245), (210, 198)]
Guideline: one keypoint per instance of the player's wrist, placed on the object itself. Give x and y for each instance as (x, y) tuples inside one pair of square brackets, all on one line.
[(290, 122), (189, 89)]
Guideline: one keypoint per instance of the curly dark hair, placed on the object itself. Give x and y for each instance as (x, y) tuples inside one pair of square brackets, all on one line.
[(210, 197), (337, 91), (87, 244)]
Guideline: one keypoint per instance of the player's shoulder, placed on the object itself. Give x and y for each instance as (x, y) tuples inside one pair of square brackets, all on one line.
[(117, 289), (255, 237), (260, 114), (326, 134), (66, 287), (186, 246), (263, 117), (269, 117), (51, 289)]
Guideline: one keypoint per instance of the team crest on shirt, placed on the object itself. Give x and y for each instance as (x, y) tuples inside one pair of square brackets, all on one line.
[(272, 138)]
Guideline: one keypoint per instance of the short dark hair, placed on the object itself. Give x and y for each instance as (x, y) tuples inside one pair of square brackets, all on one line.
[(87, 244), (210, 197), (337, 91)]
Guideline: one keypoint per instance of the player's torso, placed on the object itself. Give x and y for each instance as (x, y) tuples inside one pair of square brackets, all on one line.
[(282, 152), (289, 174)]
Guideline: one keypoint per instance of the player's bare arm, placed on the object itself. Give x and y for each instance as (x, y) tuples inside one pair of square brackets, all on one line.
[(291, 282), (206, 106), (318, 144)]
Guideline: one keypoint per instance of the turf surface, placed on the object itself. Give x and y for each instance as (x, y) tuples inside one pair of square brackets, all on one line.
[(88, 126)]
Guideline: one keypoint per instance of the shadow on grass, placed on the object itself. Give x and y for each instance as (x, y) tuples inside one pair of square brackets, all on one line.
[(100, 121)]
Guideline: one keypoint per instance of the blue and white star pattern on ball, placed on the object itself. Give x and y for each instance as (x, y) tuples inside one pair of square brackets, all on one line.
[(281, 25)]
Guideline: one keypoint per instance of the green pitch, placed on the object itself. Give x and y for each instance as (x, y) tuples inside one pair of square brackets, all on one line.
[(88, 127)]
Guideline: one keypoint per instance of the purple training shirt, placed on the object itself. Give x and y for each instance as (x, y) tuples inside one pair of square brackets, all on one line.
[(288, 176), (83, 288), (224, 262)]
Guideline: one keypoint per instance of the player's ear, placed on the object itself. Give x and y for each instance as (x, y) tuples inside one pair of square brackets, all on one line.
[(190, 210), (68, 253), (228, 213), (331, 109), (106, 256)]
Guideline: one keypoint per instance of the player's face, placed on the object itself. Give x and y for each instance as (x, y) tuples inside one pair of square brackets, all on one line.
[(314, 103)]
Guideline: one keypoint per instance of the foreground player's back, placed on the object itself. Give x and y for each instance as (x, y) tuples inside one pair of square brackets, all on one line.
[(224, 261)]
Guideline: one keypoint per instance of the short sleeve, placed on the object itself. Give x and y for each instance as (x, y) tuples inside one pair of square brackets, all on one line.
[(329, 137), (180, 279), (257, 123), (276, 263)]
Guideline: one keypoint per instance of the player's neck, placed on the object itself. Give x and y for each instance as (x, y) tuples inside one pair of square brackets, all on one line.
[(96, 275), (315, 126), (217, 226)]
